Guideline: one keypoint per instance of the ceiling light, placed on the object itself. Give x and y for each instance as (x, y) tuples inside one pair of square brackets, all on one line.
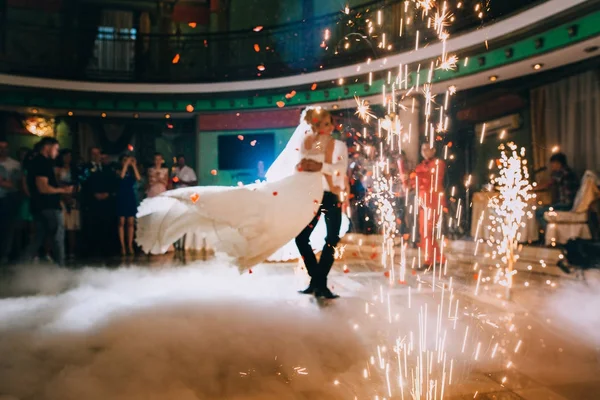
[(537, 66), (493, 78)]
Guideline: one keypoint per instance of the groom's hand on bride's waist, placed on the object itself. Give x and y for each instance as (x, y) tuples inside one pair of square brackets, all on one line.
[(309, 165)]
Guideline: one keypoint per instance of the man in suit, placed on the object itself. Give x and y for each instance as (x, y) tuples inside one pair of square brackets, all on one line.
[(99, 217)]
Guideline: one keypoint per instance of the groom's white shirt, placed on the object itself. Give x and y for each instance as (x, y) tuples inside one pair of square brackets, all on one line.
[(338, 168)]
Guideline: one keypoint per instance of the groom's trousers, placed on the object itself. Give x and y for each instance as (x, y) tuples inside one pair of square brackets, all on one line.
[(331, 208)]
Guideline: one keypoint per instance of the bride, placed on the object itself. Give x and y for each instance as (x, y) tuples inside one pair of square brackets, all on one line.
[(251, 222)]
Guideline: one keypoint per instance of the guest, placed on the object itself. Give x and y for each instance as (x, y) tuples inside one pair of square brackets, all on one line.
[(66, 174), (10, 176), (99, 213), (429, 180), (158, 177), (23, 234), (183, 175), (45, 201), (563, 186), (127, 201)]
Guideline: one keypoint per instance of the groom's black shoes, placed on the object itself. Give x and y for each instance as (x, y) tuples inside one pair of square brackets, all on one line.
[(325, 293), (309, 290)]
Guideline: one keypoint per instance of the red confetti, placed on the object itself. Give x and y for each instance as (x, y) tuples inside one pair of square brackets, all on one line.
[(258, 28), (346, 270), (241, 137), (401, 282), (250, 271), (194, 197), (414, 272), (213, 172), (260, 67), (373, 256), (280, 104), (192, 24), (129, 147), (313, 87), (256, 48), (386, 274), (275, 193), (475, 277), (175, 179), (189, 108), (175, 59)]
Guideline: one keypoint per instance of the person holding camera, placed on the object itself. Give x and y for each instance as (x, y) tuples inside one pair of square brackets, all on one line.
[(45, 201), (127, 201)]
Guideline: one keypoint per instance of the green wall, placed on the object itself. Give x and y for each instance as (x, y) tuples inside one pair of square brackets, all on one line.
[(246, 14), (324, 7), (208, 157), (488, 150)]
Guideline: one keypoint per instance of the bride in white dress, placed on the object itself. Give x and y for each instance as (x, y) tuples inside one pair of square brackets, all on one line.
[(251, 222)]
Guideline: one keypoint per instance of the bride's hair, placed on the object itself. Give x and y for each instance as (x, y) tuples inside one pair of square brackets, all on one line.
[(313, 115)]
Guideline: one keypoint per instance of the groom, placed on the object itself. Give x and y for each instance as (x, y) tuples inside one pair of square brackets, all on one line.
[(331, 208)]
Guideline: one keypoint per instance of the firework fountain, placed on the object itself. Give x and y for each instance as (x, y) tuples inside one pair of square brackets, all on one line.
[(510, 208)]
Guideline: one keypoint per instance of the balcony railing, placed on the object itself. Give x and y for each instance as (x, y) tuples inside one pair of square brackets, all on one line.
[(107, 54)]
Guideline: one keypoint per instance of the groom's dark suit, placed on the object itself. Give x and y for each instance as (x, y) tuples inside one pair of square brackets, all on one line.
[(331, 208)]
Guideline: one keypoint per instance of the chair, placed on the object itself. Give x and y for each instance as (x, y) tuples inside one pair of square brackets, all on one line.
[(565, 225)]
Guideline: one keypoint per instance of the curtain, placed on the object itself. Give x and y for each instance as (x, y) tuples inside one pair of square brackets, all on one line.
[(567, 114), (115, 43)]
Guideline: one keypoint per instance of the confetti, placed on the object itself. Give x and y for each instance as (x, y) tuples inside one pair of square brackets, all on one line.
[(194, 197), (175, 59), (280, 104), (213, 172)]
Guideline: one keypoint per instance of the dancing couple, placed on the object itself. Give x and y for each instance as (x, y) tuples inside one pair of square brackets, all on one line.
[(251, 223)]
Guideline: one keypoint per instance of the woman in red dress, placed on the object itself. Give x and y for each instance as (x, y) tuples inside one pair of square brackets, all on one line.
[(428, 179)]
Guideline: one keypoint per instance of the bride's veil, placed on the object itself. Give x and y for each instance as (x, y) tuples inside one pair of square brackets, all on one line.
[(286, 162)]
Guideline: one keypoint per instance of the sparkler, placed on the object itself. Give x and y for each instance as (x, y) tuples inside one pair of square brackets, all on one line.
[(510, 207)]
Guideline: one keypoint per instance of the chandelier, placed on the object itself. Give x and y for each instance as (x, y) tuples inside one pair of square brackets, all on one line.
[(39, 126)]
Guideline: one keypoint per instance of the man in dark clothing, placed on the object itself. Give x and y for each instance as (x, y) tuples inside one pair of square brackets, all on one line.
[(99, 218), (45, 201), (563, 186)]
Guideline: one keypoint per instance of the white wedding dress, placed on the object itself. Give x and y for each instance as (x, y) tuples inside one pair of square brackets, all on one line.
[(249, 223)]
